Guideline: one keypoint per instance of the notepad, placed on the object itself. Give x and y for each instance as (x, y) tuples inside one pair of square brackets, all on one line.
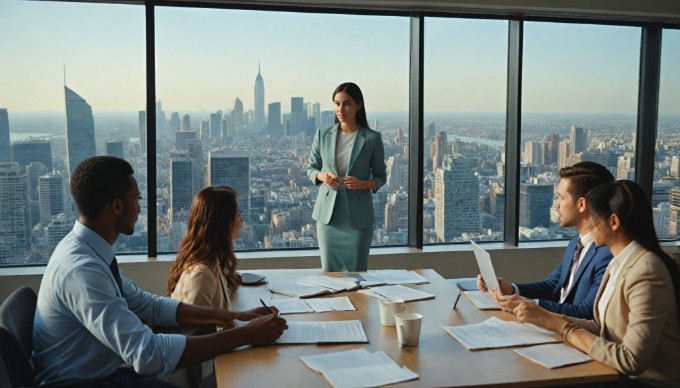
[(482, 300), (349, 331), (398, 293), (358, 368), (553, 355), (297, 290), (318, 305), (496, 333)]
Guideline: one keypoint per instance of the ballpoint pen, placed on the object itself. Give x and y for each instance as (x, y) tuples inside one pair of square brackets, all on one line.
[(267, 307)]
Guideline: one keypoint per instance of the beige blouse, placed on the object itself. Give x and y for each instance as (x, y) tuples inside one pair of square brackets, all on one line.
[(205, 286)]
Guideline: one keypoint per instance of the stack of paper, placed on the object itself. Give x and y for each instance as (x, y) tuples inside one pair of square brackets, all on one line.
[(358, 368), (398, 293), (482, 300), (297, 290), (323, 332), (333, 284), (399, 276), (496, 333), (553, 355), (319, 305), (365, 279)]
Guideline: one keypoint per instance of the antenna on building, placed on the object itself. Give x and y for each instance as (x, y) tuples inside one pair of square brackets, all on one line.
[(64, 73)]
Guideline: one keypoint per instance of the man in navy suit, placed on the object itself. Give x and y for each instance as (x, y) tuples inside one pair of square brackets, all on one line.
[(571, 287)]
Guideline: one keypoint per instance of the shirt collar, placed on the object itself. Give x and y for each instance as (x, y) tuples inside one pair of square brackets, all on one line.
[(587, 239), (95, 241)]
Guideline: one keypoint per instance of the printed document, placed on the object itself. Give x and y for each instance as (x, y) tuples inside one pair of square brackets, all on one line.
[(334, 284), (297, 290), (398, 293), (399, 276), (553, 355), (496, 333), (318, 305), (482, 300), (323, 332), (358, 368)]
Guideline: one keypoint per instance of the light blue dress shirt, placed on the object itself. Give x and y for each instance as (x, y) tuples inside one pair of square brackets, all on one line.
[(84, 329)]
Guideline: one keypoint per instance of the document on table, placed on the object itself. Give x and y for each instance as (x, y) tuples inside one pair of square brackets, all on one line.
[(318, 305), (553, 355), (365, 279), (333, 284), (297, 290), (496, 333), (358, 368), (323, 332), (482, 300), (399, 276), (398, 292)]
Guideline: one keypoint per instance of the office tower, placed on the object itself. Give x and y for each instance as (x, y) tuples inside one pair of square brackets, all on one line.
[(535, 201), (115, 148), (215, 125), (396, 212), (274, 118), (181, 187), (181, 139), (204, 131), (563, 154), (224, 128), (5, 153), (15, 217), (397, 173), (141, 115), (34, 171), (431, 130), (546, 155), (438, 149), (175, 122), (195, 153), (327, 118), (237, 118), (316, 114), (674, 200), (399, 139), (553, 147), (79, 129), (675, 166), (298, 116), (532, 153), (162, 130), (185, 124), (25, 152), (497, 204), (578, 138), (456, 199), (233, 169), (661, 192), (57, 229), (625, 168), (259, 102), (51, 196)]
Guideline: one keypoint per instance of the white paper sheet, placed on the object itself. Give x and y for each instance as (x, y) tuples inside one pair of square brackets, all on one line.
[(317, 305), (291, 306), (358, 368), (496, 333), (399, 276), (482, 300), (398, 292), (297, 290), (349, 331), (334, 284), (553, 355)]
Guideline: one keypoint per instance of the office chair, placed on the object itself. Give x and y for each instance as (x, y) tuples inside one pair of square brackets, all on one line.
[(16, 337)]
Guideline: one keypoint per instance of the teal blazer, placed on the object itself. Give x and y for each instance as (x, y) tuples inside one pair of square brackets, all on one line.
[(367, 161)]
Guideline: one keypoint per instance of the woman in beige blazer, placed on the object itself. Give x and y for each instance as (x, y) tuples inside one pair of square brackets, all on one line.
[(636, 329), (204, 272)]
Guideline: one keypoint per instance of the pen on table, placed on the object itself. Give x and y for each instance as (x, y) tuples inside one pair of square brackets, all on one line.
[(267, 307), (459, 294)]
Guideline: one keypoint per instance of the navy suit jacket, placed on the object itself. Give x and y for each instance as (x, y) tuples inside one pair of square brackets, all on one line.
[(581, 298)]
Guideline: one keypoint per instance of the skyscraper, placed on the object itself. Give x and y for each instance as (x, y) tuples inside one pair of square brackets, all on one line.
[(298, 116), (142, 129), (456, 199), (195, 153), (79, 129), (181, 187), (563, 154), (34, 171), (316, 114), (51, 196), (625, 168), (5, 154), (274, 118), (438, 149), (185, 124), (259, 102), (175, 122), (237, 116), (674, 225), (578, 137), (115, 148), (396, 212), (15, 215), (535, 201), (215, 123), (233, 169), (25, 152)]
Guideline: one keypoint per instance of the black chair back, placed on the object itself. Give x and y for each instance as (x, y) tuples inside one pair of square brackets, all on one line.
[(16, 336)]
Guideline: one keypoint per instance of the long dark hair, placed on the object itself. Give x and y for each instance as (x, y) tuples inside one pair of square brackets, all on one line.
[(208, 239), (627, 200), (353, 90)]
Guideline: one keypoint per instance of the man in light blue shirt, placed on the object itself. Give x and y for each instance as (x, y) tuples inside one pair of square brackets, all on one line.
[(90, 318)]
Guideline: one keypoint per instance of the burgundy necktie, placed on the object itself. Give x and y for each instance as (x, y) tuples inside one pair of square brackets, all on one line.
[(572, 269)]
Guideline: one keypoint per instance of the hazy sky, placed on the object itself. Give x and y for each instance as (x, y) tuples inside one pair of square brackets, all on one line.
[(205, 58)]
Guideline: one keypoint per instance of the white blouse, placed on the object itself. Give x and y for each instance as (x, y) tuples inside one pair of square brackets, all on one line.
[(343, 151)]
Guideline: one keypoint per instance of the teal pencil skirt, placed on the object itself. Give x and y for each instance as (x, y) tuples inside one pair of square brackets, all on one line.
[(343, 248)]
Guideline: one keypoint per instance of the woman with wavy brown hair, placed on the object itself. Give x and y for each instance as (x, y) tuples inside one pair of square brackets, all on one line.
[(204, 272)]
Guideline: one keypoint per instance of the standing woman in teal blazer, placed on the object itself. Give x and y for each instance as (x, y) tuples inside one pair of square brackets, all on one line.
[(347, 162)]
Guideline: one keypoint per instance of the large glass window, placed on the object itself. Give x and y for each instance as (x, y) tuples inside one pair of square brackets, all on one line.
[(580, 87), (666, 186), (72, 82), (465, 92), (241, 94)]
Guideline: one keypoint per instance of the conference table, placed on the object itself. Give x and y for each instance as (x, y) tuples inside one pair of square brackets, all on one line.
[(439, 360)]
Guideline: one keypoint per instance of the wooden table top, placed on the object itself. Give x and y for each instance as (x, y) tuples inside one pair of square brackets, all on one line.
[(439, 360)]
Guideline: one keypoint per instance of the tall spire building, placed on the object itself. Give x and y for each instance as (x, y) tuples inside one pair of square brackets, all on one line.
[(79, 129), (5, 154), (259, 102)]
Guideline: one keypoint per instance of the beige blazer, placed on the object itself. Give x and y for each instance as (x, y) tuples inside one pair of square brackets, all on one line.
[(205, 286), (640, 335)]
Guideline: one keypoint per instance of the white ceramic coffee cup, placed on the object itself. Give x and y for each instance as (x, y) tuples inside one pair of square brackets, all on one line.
[(408, 328), (388, 308)]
